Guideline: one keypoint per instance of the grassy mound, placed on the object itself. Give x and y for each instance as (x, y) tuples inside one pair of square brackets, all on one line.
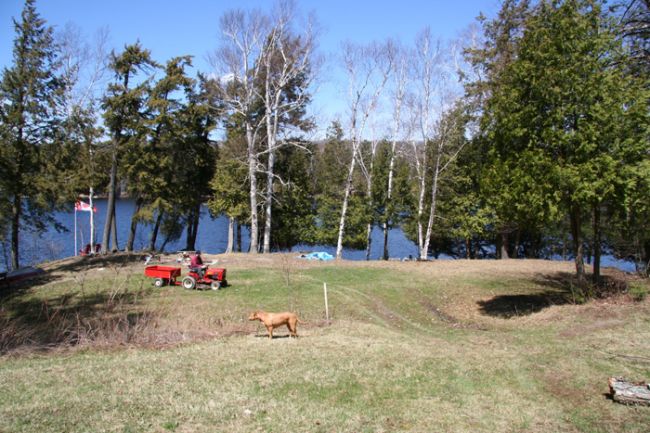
[(443, 346)]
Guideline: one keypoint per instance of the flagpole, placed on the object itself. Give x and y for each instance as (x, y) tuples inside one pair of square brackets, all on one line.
[(76, 251), (92, 222)]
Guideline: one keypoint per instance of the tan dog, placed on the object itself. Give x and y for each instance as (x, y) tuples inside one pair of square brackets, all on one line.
[(273, 320)]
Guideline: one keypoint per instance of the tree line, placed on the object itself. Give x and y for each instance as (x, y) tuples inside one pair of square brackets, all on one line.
[(527, 137)]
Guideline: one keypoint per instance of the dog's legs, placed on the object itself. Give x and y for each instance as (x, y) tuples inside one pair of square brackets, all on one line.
[(270, 329), (292, 329)]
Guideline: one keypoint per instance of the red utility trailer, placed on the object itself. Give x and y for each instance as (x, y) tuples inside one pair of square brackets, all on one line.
[(163, 275)]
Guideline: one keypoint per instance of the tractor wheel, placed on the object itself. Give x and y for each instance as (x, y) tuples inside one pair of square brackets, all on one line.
[(189, 283), (215, 285), (159, 282)]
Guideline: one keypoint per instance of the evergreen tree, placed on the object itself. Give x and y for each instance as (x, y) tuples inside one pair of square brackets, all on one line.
[(293, 213), (390, 211), (331, 163), (197, 151), (565, 119), (148, 164), (230, 193), (489, 61), (123, 107), (30, 94)]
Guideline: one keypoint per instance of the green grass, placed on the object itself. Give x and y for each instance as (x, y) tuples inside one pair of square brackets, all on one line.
[(385, 363)]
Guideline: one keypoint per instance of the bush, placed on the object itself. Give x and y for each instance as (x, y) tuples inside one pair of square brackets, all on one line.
[(638, 292)]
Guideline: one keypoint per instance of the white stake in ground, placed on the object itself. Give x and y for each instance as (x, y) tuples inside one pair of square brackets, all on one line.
[(327, 310)]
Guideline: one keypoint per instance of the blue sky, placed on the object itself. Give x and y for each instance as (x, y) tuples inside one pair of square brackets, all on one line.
[(171, 28)]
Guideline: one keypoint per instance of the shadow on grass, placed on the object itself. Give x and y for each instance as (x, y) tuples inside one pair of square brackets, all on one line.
[(115, 260), (71, 266), (560, 288), (275, 336), (114, 316)]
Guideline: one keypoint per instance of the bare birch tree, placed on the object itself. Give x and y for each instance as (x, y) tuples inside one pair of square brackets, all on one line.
[(368, 168), (400, 78), (368, 69), (425, 61), (84, 66), (444, 153), (237, 61), (287, 61)]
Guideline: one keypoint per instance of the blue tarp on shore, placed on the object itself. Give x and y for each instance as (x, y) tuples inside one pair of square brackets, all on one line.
[(317, 256)]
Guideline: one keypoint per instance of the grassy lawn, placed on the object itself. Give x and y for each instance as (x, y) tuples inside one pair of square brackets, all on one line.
[(444, 346)]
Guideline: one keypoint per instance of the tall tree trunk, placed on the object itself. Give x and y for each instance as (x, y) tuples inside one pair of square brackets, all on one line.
[(268, 205), (576, 226), (252, 174), (503, 253), (114, 244), (389, 195), (422, 192), (154, 232), (110, 205), (432, 210), (271, 102), (238, 237), (16, 210), (385, 254), (597, 243), (344, 207), (231, 235), (468, 248), (515, 252), (197, 220), (188, 231), (134, 225), (192, 227), (369, 199), (368, 240), (164, 244)]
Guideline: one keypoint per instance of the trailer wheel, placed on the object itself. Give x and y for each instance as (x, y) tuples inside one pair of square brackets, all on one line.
[(159, 282), (189, 283), (215, 285)]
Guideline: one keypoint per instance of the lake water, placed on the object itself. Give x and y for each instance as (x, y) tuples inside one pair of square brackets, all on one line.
[(212, 238)]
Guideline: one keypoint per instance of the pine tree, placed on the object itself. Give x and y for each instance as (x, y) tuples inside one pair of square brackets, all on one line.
[(123, 117), (31, 93), (148, 164)]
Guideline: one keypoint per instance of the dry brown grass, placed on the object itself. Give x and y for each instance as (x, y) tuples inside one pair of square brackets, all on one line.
[(412, 347)]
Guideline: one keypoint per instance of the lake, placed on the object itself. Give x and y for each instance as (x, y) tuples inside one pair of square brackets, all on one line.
[(212, 238)]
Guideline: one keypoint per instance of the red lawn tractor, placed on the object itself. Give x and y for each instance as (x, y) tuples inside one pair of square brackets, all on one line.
[(215, 278)]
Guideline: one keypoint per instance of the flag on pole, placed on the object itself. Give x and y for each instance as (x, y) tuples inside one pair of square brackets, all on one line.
[(84, 207)]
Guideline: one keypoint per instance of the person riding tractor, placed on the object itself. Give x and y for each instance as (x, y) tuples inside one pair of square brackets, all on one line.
[(196, 264)]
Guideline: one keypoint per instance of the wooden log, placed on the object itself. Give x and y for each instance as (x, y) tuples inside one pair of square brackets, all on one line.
[(626, 392)]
